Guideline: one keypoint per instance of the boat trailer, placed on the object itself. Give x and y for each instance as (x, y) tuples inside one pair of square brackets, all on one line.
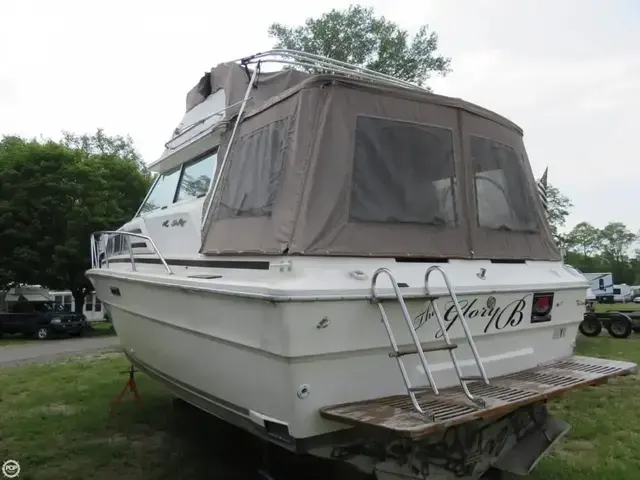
[(619, 323)]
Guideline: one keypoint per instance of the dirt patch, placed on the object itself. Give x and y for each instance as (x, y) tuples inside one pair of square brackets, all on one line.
[(55, 409), (89, 357)]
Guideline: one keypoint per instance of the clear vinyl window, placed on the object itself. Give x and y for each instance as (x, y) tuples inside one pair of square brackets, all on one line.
[(255, 172), (402, 173), (502, 192)]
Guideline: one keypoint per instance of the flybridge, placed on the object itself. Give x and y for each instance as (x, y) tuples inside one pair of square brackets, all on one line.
[(315, 164), (355, 163), (214, 98)]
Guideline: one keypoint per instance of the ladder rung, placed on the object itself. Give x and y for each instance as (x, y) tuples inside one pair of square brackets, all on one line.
[(401, 352), (472, 378)]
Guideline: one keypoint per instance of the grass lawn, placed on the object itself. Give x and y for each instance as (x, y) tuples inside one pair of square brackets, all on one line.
[(54, 420), (605, 307), (97, 329)]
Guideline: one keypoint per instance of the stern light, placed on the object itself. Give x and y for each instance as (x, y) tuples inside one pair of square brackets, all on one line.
[(542, 306)]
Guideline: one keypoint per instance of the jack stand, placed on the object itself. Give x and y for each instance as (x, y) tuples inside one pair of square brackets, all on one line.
[(131, 385)]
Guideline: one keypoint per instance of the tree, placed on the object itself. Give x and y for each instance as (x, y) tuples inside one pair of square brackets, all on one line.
[(615, 240), (584, 239), (558, 211), (357, 36), (53, 195), (100, 144)]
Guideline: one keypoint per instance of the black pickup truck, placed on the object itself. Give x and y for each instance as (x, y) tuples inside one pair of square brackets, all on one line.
[(41, 319)]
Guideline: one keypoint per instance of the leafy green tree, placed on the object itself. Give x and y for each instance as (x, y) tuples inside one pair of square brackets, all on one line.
[(100, 144), (604, 250), (615, 240), (357, 36), (52, 196), (559, 206), (584, 238)]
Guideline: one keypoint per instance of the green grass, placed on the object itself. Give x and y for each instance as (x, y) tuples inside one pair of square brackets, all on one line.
[(97, 329), (54, 419), (605, 307), (605, 440)]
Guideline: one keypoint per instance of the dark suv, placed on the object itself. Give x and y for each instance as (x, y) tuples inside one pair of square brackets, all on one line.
[(41, 319)]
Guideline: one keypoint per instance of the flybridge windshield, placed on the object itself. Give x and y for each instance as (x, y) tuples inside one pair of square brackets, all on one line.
[(186, 182)]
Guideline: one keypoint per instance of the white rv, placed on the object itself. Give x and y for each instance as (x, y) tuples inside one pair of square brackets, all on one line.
[(622, 293), (602, 286)]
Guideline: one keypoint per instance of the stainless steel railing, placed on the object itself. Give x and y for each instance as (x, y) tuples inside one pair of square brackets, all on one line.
[(102, 237)]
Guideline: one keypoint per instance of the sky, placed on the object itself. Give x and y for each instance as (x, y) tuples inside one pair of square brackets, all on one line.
[(567, 72)]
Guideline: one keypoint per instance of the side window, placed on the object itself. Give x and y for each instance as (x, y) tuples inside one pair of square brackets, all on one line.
[(601, 284), (88, 303), (501, 187), (255, 172), (402, 173), (196, 178), (163, 191), (98, 307), (68, 303), (616, 291)]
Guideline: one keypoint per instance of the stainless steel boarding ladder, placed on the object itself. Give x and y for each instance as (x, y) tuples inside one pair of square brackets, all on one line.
[(419, 350)]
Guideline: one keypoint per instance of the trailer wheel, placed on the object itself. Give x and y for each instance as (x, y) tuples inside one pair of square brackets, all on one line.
[(620, 326), (590, 326)]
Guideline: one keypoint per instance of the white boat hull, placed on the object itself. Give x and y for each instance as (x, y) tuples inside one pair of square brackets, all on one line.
[(281, 361)]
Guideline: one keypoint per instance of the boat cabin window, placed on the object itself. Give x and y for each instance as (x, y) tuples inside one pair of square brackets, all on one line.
[(255, 172), (402, 173), (501, 188), (163, 191), (196, 178)]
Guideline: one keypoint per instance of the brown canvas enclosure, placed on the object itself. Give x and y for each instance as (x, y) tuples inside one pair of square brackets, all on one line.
[(335, 166)]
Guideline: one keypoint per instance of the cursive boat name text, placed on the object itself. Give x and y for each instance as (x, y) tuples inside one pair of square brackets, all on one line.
[(498, 317)]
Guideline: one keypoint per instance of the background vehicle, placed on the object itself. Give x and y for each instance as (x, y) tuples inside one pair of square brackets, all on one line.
[(602, 286), (37, 315)]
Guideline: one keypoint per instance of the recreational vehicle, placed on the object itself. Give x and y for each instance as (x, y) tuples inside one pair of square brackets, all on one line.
[(622, 293), (602, 286)]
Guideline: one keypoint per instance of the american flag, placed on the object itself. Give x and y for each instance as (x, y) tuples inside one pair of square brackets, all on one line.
[(542, 190)]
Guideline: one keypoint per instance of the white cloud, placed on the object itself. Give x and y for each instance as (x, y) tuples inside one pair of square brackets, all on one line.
[(567, 72)]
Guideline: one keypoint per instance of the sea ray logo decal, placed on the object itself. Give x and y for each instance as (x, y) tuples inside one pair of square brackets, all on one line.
[(180, 222)]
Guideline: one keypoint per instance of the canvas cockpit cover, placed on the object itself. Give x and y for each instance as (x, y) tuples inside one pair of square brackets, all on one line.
[(234, 79), (335, 166)]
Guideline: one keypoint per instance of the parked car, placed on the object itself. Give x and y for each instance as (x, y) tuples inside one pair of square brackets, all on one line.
[(41, 319)]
